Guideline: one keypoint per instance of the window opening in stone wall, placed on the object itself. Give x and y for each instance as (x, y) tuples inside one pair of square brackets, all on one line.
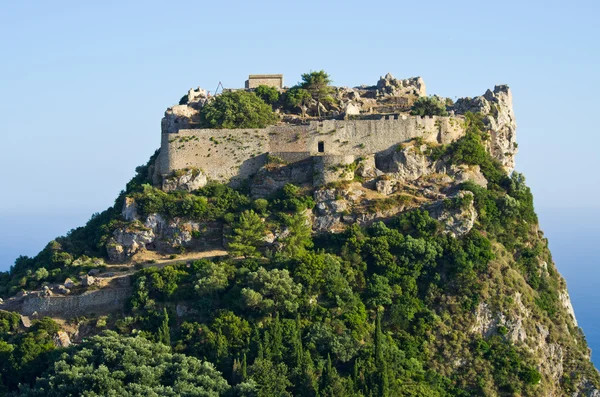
[(321, 147)]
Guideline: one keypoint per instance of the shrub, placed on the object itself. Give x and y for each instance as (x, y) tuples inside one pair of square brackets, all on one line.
[(238, 109), (268, 94), (428, 106)]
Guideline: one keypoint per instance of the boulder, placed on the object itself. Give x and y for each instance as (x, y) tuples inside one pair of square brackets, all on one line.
[(366, 168), (129, 211), (62, 290), (464, 173), (351, 109), (178, 117), (87, 281), (386, 186), (391, 86), (68, 283), (94, 272), (128, 240), (61, 339), (457, 213), (187, 180), (410, 163)]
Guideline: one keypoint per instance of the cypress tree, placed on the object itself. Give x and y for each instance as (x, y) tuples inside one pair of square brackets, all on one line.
[(381, 375), (164, 334), (244, 368)]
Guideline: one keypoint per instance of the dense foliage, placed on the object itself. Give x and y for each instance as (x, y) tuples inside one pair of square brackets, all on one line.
[(268, 94), (111, 365), (237, 109), (428, 106), (382, 310)]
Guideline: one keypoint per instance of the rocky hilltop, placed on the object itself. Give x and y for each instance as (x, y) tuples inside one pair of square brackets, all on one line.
[(354, 242)]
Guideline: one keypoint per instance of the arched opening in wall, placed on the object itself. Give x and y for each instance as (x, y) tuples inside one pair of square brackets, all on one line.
[(321, 147)]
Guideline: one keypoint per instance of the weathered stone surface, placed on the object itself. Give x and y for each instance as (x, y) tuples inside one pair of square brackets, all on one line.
[(386, 186), (457, 221), (129, 211), (499, 119), (127, 241), (410, 163), (88, 281), (324, 195), (61, 289), (367, 169), (351, 109), (179, 117), (61, 339), (189, 180), (465, 173), (69, 283), (565, 301), (391, 86)]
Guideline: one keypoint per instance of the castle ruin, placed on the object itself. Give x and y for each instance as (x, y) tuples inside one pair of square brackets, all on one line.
[(369, 124)]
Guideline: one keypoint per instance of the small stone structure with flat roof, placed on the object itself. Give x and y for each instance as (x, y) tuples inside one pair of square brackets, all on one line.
[(271, 80)]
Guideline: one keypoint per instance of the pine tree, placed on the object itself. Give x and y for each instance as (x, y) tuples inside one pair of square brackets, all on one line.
[(247, 236), (164, 334)]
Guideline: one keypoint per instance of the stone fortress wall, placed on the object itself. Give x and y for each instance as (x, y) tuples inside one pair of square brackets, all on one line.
[(235, 154)]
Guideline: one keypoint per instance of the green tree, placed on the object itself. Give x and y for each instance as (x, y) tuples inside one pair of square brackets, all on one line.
[(382, 385), (247, 236), (113, 365), (268, 94), (298, 97), (271, 291), (212, 277), (271, 378), (318, 85), (428, 106), (237, 109), (331, 385), (41, 274), (299, 236), (164, 333)]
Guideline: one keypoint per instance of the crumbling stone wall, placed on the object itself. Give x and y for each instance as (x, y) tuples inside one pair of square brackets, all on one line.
[(234, 155), (99, 301)]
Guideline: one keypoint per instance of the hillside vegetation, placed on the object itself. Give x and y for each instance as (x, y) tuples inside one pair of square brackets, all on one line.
[(398, 307)]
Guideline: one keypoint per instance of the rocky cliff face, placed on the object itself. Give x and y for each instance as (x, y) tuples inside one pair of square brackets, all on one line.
[(497, 107)]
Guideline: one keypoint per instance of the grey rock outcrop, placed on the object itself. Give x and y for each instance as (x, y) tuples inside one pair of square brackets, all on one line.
[(88, 281), (391, 86), (179, 117), (565, 301), (165, 235), (129, 211), (188, 180), (499, 119), (61, 339), (386, 186), (410, 163), (125, 242), (456, 213)]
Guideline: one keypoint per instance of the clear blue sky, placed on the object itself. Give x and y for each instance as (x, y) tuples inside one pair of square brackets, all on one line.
[(84, 85)]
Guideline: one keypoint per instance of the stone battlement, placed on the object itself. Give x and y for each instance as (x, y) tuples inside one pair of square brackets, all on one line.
[(235, 155), (229, 154)]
